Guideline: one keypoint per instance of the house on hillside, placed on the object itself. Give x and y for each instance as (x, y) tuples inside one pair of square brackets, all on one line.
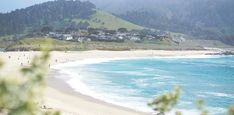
[(81, 39), (55, 35), (67, 37), (60, 36), (162, 37), (149, 37), (178, 39), (135, 38)]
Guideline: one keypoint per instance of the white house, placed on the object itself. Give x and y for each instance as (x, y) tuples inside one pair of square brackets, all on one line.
[(67, 37), (134, 38), (80, 39)]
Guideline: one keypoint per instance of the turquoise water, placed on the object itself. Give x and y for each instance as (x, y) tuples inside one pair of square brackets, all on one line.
[(133, 82)]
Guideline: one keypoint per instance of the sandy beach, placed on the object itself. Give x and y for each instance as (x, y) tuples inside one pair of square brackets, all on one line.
[(60, 96)]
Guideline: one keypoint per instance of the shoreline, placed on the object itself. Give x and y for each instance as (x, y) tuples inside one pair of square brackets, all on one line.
[(59, 83), (61, 96), (81, 94)]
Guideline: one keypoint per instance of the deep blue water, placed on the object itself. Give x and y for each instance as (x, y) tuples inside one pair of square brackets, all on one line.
[(134, 82)]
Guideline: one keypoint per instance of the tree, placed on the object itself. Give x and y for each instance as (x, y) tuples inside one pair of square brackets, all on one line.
[(53, 13), (72, 26), (122, 30), (46, 29), (83, 25), (92, 31), (110, 32)]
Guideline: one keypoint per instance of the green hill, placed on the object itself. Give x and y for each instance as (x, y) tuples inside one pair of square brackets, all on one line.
[(102, 19), (60, 15)]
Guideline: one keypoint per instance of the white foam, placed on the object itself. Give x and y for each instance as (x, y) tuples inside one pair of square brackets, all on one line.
[(101, 60), (219, 94), (130, 102), (216, 110), (138, 73), (142, 82), (81, 62), (190, 56), (75, 82)]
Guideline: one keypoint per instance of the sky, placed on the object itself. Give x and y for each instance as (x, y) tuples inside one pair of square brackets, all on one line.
[(9, 5)]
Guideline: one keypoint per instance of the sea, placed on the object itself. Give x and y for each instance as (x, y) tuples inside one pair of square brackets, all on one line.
[(133, 82)]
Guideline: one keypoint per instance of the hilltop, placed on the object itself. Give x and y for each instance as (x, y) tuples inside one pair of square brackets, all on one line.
[(202, 19), (76, 25), (59, 15)]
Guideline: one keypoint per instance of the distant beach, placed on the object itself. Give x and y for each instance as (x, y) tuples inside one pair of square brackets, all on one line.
[(61, 96)]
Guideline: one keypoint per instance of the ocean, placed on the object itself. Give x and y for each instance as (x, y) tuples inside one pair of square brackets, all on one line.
[(134, 82)]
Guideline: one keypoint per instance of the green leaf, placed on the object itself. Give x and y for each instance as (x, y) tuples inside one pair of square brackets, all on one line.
[(166, 102), (231, 110)]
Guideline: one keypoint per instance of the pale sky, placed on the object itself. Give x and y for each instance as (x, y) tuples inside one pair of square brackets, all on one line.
[(9, 5)]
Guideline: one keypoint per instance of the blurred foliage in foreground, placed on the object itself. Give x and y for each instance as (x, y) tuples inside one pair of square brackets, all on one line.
[(23, 95), (166, 102), (231, 110), (201, 107)]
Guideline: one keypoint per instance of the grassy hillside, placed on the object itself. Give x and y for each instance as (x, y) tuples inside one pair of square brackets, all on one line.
[(102, 19), (39, 43), (59, 45)]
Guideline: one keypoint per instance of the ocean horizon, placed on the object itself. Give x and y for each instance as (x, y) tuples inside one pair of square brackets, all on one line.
[(132, 82)]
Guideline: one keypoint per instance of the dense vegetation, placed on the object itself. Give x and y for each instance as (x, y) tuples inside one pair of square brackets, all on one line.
[(206, 24), (50, 14), (206, 19), (60, 16)]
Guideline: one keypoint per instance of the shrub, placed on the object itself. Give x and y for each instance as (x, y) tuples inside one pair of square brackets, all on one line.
[(24, 96)]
